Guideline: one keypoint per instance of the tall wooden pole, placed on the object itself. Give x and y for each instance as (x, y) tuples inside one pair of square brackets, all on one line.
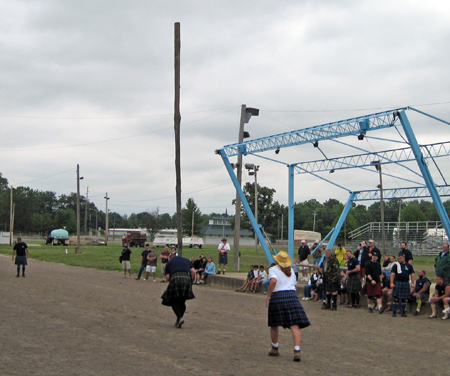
[(78, 210), (177, 122), (11, 220), (106, 219), (85, 212)]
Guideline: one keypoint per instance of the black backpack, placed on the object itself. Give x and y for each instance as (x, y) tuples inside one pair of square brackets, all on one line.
[(120, 258)]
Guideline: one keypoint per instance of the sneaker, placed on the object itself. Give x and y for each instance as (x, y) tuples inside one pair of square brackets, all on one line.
[(445, 317), (273, 351), (137, 279), (297, 356), (404, 314), (180, 323), (306, 298), (145, 279), (381, 311), (17, 275), (394, 314), (202, 282), (417, 313), (446, 310), (303, 298), (218, 272), (154, 280), (223, 272), (370, 310)]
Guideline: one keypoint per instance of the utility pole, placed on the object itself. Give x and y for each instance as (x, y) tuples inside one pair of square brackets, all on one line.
[(85, 211), (177, 123), (192, 226), (237, 211), (106, 219), (78, 209), (314, 223), (11, 217)]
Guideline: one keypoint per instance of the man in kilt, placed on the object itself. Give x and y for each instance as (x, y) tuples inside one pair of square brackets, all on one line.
[(179, 273), (331, 279), (353, 280), (21, 251), (400, 274), (373, 287), (285, 309)]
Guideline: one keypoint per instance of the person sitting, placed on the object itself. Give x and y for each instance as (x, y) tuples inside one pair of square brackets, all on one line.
[(250, 277), (342, 290), (387, 292), (421, 292), (262, 276), (307, 289), (200, 265), (266, 283), (387, 269), (441, 298), (210, 269), (254, 281)]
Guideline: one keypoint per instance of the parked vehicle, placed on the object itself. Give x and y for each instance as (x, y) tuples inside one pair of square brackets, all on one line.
[(57, 237), (169, 237), (134, 239)]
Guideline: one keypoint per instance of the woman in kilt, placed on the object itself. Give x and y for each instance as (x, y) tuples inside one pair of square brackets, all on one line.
[(354, 280), (285, 309), (179, 273), (400, 274)]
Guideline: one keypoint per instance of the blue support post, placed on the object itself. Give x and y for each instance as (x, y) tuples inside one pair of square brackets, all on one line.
[(291, 213), (251, 217), (341, 220), (425, 172)]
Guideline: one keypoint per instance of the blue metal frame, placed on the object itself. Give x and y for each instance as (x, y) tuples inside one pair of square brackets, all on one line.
[(291, 213)]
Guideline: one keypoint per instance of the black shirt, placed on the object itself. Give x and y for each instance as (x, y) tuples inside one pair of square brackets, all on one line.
[(126, 254), (406, 271), (407, 253), (304, 252), (145, 253), (352, 263), (20, 249), (178, 264), (419, 285), (441, 289), (373, 269)]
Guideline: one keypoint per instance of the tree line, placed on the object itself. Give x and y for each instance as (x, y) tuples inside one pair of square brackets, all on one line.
[(38, 211)]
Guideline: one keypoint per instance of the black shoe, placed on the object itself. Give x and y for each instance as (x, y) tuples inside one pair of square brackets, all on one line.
[(417, 313), (381, 311), (325, 306), (370, 310), (17, 275), (180, 323), (218, 272), (394, 314), (223, 272), (137, 279), (356, 306), (23, 275), (404, 314)]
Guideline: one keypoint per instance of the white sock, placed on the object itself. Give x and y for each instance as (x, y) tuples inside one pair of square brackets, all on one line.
[(275, 345), (296, 348)]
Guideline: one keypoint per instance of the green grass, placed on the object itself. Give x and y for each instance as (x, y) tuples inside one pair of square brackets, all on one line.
[(107, 258)]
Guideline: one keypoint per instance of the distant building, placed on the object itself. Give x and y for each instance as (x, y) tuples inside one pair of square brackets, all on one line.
[(220, 227)]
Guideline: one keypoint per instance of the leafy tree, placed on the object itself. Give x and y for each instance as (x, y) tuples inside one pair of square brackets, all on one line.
[(65, 218), (412, 213), (191, 215)]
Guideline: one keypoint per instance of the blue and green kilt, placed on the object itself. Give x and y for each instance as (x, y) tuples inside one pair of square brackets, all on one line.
[(21, 260), (223, 258), (354, 283), (180, 286), (286, 310), (402, 290)]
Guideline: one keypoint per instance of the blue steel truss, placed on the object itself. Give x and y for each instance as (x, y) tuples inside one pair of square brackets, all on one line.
[(358, 126)]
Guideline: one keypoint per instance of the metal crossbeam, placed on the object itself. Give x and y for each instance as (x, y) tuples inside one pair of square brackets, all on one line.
[(364, 160), (356, 126), (411, 192)]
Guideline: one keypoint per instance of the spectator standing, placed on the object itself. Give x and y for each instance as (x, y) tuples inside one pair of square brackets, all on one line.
[(164, 256), (442, 264), (373, 287), (331, 278), (406, 252), (20, 250), (373, 250), (126, 265), (223, 248), (152, 261), (353, 280), (179, 274), (422, 290), (144, 261), (441, 298), (400, 275), (303, 259), (285, 309), (340, 252), (363, 257), (317, 254)]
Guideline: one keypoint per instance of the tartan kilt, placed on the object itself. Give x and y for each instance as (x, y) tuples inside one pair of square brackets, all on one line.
[(331, 286), (402, 290), (21, 260), (286, 310), (180, 286), (223, 258), (371, 290), (354, 283)]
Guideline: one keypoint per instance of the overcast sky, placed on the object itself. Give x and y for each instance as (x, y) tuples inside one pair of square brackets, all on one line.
[(91, 83)]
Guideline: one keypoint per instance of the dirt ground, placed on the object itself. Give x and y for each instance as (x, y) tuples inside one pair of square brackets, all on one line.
[(62, 320)]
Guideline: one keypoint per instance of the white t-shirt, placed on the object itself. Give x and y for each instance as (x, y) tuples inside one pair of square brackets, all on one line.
[(223, 247), (283, 281), (256, 273), (263, 276)]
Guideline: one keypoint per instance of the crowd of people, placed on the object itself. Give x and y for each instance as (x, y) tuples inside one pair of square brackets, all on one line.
[(390, 284)]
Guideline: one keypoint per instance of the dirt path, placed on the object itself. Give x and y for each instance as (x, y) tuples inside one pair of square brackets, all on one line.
[(63, 320)]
